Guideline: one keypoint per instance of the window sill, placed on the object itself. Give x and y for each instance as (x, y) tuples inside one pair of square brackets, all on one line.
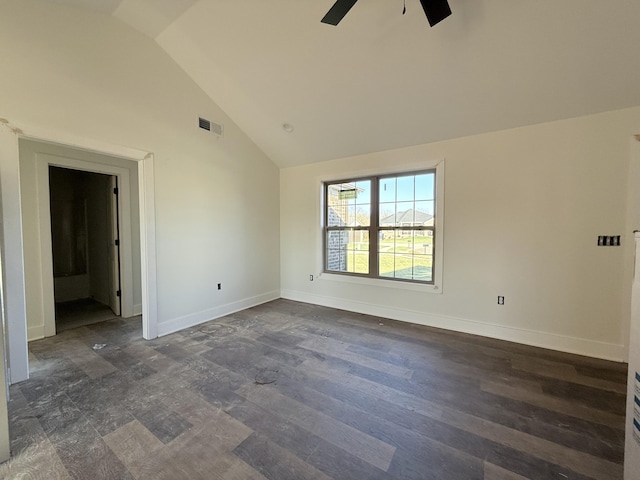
[(378, 282)]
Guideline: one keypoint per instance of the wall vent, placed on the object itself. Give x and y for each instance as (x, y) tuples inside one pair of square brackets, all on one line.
[(210, 126), (204, 124)]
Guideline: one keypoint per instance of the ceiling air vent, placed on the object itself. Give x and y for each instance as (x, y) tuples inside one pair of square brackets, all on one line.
[(204, 124), (210, 126)]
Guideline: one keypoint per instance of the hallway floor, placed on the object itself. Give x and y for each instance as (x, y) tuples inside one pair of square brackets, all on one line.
[(80, 313)]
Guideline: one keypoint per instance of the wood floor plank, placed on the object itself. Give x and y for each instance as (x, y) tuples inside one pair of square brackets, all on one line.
[(292, 390), (231, 467), (85, 454), (560, 405), (577, 461), (591, 397), (275, 462), (87, 359), (607, 371), (349, 335), (356, 442), (556, 426), (190, 455), (132, 443), (332, 348), (481, 436), (381, 391), (38, 461), (436, 462), (565, 372), (494, 472), (315, 451)]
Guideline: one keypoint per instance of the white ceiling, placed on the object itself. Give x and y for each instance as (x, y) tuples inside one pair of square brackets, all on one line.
[(381, 80)]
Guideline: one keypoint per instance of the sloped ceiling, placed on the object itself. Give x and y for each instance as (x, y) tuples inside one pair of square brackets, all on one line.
[(381, 80)]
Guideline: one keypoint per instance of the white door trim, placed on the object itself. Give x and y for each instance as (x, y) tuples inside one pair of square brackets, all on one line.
[(10, 133), (43, 161)]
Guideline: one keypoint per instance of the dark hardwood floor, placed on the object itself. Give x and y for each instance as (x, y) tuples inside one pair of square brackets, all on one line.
[(294, 391)]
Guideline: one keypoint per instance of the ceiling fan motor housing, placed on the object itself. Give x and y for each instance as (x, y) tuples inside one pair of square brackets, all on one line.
[(436, 11)]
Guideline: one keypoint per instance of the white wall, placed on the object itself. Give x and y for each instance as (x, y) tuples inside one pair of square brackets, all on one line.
[(523, 209), (216, 200)]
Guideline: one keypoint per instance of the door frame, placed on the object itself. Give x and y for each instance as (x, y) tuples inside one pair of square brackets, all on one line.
[(12, 241), (114, 256), (43, 162)]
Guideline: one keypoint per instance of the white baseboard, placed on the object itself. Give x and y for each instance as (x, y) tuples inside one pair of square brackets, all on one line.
[(580, 346), (35, 333), (171, 326)]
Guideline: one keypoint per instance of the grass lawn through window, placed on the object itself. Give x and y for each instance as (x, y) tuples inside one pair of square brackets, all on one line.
[(406, 258)]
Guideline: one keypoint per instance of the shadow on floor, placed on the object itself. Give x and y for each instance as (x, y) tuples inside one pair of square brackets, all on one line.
[(79, 313)]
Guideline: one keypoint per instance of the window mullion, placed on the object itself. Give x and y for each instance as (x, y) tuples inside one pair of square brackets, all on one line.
[(374, 228)]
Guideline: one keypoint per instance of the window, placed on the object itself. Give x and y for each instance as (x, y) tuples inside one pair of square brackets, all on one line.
[(382, 226)]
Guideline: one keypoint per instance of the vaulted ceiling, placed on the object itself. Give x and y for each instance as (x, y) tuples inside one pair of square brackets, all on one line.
[(383, 80)]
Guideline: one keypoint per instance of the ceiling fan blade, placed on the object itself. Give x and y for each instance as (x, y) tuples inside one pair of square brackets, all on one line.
[(436, 10), (338, 11)]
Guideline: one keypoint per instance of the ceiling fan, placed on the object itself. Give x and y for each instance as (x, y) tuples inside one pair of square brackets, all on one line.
[(436, 11)]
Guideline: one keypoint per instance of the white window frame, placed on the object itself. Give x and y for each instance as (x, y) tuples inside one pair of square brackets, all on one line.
[(438, 259)]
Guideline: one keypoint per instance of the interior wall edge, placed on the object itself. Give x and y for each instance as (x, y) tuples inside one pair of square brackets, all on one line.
[(561, 343), (12, 241)]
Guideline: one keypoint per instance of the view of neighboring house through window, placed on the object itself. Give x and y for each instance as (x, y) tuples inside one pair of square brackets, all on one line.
[(381, 226)]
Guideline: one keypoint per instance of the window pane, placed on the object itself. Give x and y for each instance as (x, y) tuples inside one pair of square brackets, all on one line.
[(348, 251), (422, 242), (363, 203), (405, 188), (387, 189), (343, 200), (364, 191), (425, 186), (386, 265), (363, 215), (351, 215), (406, 254), (387, 215), (422, 268), (336, 214), (406, 205), (404, 214), (337, 241), (413, 204), (424, 213), (358, 251)]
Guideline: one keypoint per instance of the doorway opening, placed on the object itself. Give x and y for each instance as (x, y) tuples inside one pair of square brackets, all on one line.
[(85, 224), (85, 246), (28, 263)]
